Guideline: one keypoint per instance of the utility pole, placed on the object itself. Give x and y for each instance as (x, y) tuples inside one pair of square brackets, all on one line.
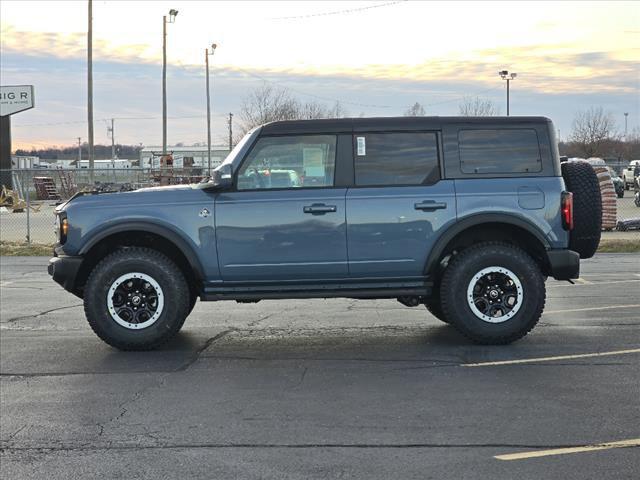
[(206, 61), (113, 141), (90, 88), (505, 75), (79, 151), (172, 18), (230, 131)]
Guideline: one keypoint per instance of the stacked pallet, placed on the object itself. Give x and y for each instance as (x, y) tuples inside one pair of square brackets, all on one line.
[(608, 192), (46, 188)]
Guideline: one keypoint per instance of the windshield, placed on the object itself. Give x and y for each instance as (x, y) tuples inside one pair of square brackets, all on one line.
[(238, 148)]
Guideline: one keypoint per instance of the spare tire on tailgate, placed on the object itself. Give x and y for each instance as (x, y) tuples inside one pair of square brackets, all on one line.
[(580, 179)]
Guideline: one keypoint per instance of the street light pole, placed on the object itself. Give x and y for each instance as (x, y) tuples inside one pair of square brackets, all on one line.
[(172, 19), (206, 61), (626, 116), (90, 87), (505, 75)]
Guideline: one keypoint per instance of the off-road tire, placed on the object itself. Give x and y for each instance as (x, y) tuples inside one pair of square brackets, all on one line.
[(434, 307), (460, 273), (580, 178), (150, 262)]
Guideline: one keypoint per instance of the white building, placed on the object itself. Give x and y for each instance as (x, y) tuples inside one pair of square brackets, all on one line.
[(115, 163), (26, 161), (196, 156)]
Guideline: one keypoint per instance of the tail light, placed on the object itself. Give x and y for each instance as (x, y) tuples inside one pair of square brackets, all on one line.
[(566, 206)]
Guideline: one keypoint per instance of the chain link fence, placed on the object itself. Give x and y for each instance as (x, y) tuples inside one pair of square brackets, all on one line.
[(27, 203), (29, 196)]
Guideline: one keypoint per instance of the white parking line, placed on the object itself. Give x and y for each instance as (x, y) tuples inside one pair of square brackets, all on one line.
[(634, 442), (551, 359), (582, 281), (611, 307)]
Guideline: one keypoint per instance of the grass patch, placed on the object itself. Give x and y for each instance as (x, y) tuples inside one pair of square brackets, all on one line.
[(611, 245), (20, 249)]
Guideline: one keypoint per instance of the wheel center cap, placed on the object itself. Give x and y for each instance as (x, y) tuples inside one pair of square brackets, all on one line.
[(135, 300), (493, 294)]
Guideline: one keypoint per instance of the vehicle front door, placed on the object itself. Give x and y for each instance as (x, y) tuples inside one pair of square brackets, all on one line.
[(284, 219)]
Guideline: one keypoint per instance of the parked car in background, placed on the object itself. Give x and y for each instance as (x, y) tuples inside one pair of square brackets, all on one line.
[(618, 183), (630, 173)]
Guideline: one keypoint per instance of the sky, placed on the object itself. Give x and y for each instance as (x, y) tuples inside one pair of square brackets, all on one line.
[(375, 57)]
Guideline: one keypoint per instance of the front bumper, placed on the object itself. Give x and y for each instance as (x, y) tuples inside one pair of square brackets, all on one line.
[(64, 271), (565, 264)]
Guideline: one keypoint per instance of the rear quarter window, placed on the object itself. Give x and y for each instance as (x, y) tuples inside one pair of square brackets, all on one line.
[(497, 151)]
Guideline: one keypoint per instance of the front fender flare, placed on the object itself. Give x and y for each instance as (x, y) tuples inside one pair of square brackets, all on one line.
[(149, 227)]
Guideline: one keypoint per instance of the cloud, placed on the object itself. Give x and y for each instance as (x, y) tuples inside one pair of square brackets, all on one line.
[(549, 68)]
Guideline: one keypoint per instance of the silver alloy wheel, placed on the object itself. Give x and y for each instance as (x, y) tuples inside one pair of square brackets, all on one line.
[(135, 300), (495, 294)]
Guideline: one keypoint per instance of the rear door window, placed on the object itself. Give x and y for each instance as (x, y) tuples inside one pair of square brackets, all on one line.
[(499, 151), (396, 158)]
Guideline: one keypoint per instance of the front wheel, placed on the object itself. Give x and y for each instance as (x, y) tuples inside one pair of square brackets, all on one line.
[(493, 293), (136, 299)]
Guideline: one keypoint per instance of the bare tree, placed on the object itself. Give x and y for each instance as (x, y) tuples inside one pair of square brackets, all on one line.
[(591, 130), (478, 107), (415, 110), (269, 104), (338, 111)]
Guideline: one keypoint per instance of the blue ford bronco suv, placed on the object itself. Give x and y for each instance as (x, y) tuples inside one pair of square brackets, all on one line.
[(464, 216)]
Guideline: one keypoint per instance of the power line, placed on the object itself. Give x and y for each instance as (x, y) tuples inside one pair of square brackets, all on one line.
[(337, 12), (319, 97), (108, 119)]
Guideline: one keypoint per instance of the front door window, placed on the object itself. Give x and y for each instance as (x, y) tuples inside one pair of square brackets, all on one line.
[(300, 161)]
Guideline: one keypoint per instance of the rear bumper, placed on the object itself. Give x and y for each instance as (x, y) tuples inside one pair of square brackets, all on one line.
[(64, 271), (565, 264)]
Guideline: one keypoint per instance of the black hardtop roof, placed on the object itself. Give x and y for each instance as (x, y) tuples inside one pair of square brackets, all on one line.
[(332, 125)]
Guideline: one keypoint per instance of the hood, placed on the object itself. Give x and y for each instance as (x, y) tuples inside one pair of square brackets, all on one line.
[(164, 188)]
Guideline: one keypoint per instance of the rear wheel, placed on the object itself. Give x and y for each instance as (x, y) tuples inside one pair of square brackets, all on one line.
[(493, 293), (136, 299)]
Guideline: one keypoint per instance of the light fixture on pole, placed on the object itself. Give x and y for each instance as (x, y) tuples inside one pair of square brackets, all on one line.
[(208, 52), (505, 75), (172, 18)]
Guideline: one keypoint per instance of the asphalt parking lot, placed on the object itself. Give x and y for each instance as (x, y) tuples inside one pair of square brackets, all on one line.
[(323, 389)]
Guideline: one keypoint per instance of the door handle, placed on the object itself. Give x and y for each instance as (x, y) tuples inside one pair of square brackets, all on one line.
[(319, 209), (429, 205)]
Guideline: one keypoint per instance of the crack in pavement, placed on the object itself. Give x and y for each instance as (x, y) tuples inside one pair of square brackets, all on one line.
[(204, 445), (206, 345), (12, 320)]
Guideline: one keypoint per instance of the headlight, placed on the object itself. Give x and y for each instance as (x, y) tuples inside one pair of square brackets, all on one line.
[(62, 228)]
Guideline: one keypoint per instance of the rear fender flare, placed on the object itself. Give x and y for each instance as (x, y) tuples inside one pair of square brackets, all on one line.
[(475, 220)]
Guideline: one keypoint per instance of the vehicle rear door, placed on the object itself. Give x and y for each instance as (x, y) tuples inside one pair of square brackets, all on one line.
[(398, 203)]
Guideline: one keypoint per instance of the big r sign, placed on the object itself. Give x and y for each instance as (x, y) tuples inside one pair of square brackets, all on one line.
[(15, 98)]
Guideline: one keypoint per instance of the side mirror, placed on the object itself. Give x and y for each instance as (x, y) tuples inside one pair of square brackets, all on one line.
[(222, 177)]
